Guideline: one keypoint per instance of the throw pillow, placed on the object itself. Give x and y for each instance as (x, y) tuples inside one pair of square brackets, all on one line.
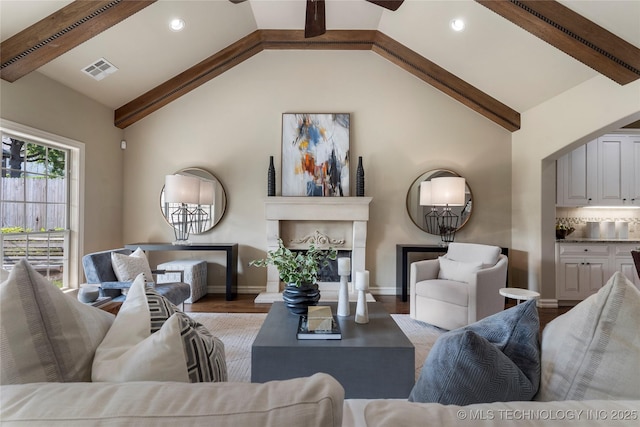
[(593, 350), (151, 340), (494, 359), (488, 255), (46, 336), (457, 270), (127, 267)]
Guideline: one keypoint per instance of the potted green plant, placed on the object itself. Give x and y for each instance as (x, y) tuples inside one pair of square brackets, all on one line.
[(299, 271), (563, 230)]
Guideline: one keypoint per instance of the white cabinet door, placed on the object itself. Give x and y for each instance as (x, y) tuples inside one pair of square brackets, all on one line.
[(603, 172), (611, 160), (578, 278), (595, 273), (568, 279), (632, 175), (577, 176), (624, 262), (628, 268)]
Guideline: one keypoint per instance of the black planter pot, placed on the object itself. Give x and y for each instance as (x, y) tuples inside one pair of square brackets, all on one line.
[(299, 298)]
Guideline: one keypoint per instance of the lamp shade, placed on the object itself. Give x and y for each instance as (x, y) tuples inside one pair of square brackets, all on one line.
[(181, 189), (206, 193), (425, 193), (448, 191)]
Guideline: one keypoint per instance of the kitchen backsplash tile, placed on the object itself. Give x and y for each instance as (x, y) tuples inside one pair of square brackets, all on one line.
[(578, 218)]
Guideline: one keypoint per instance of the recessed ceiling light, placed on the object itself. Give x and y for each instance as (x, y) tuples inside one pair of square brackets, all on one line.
[(177, 24), (457, 24)]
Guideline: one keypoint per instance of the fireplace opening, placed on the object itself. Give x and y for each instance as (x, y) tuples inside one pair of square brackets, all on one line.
[(329, 272)]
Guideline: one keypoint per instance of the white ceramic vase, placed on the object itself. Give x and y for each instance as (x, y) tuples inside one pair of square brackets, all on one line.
[(362, 286)]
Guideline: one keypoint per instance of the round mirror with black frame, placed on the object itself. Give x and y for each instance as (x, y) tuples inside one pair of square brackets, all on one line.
[(423, 215), (208, 213)]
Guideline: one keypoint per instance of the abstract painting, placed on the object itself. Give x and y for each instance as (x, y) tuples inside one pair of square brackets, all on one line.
[(315, 154)]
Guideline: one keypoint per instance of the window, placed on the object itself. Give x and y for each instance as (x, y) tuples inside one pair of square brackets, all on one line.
[(36, 204)]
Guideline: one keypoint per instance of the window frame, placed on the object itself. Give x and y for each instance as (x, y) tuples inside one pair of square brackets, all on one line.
[(75, 201)]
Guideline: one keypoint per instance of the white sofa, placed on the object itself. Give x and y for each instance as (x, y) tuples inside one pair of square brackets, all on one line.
[(314, 401), (590, 377)]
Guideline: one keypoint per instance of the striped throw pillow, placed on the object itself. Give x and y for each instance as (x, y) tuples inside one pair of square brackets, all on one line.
[(46, 336), (593, 350), (151, 340)]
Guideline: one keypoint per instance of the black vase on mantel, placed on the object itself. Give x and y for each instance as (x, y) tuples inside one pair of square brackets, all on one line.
[(360, 179), (271, 178), (299, 298)]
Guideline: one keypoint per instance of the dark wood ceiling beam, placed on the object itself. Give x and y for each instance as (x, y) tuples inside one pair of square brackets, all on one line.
[(573, 34), (188, 80), (446, 82), (388, 4), (549, 20), (331, 40), (60, 32)]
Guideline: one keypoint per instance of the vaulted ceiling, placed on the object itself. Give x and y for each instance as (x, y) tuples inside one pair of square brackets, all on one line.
[(512, 56)]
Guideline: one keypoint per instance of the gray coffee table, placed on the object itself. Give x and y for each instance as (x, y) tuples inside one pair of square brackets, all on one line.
[(372, 360)]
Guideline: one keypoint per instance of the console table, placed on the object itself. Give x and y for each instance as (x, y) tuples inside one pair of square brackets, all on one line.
[(231, 249), (402, 252)]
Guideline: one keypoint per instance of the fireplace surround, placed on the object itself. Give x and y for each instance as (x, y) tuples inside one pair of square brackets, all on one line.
[(337, 222)]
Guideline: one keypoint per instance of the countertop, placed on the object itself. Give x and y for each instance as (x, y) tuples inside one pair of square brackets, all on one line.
[(586, 240)]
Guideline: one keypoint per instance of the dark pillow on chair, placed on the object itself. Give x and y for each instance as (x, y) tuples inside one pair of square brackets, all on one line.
[(496, 359)]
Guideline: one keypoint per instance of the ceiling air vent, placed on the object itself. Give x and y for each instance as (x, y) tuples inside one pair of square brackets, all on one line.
[(100, 69)]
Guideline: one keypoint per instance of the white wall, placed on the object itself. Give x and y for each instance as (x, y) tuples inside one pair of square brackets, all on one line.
[(401, 127), (41, 103), (549, 130)]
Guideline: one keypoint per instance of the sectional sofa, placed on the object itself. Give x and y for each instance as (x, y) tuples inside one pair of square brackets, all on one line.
[(588, 375)]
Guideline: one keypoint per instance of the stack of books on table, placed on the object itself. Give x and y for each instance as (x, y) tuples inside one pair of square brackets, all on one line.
[(319, 324)]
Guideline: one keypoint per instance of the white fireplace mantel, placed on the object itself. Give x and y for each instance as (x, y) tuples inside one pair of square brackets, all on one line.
[(331, 213), (317, 208)]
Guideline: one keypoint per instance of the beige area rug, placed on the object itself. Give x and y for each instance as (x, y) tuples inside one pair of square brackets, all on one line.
[(237, 332)]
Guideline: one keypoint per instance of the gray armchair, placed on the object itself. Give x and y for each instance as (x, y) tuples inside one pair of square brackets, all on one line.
[(98, 270), (459, 288)]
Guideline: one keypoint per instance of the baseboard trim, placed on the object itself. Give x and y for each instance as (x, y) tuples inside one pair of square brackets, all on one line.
[(548, 303)]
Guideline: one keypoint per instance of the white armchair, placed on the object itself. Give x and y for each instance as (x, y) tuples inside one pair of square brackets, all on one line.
[(458, 288)]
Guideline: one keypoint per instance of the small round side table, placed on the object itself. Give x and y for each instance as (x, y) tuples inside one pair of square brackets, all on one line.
[(519, 294)]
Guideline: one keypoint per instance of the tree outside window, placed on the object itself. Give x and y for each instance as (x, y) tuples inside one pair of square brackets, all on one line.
[(34, 206)]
